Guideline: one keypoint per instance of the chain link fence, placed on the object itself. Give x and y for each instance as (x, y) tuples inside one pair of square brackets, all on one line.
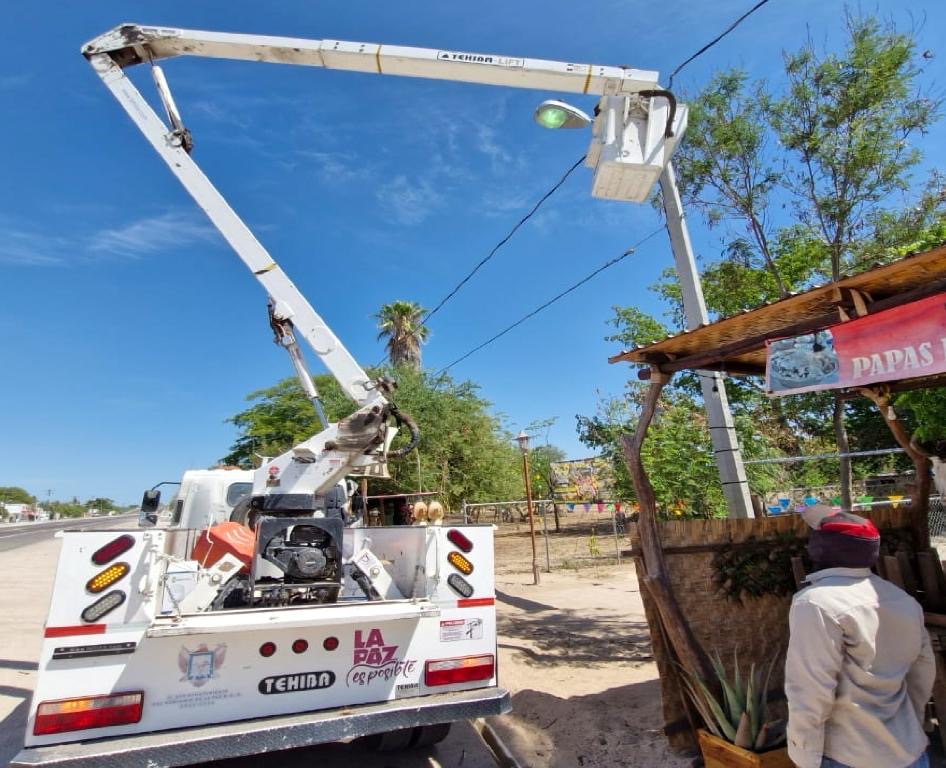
[(567, 535), (937, 519)]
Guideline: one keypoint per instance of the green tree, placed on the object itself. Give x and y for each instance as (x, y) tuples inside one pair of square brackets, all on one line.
[(846, 122), (401, 327), (803, 182), (282, 416), (678, 452), (102, 504), (62, 509), (464, 450), (13, 494)]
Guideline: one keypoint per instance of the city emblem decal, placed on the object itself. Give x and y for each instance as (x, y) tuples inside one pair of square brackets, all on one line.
[(202, 664)]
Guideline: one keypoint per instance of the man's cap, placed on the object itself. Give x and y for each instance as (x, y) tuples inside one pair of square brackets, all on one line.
[(821, 517), (841, 540)]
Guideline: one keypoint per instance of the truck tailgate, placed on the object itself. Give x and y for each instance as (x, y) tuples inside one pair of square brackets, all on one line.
[(188, 746)]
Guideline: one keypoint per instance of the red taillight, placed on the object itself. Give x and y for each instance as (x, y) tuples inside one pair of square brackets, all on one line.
[(113, 549), (330, 643), (460, 541), (88, 712), (462, 670), (267, 649), (300, 646)]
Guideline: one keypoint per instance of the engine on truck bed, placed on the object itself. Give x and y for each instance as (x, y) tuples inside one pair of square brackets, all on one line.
[(295, 561)]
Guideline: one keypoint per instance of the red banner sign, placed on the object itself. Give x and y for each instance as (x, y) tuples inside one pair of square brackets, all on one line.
[(905, 342)]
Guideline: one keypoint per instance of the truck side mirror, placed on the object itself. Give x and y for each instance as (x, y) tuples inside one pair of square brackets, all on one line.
[(149, 508)]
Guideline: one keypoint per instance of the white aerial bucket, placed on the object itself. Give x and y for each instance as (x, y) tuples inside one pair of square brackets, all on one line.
[(630, 146)]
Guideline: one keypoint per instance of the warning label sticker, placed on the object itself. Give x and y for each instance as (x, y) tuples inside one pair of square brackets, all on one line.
[(480, 58), (461, 629)]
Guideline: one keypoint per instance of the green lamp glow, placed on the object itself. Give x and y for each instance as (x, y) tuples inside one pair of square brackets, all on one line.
[(557, 114)]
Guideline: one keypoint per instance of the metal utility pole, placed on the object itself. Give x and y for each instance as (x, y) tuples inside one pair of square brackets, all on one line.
[(523, 439), (732, 473)]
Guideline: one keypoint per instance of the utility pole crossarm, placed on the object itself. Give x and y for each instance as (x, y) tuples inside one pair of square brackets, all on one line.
[(131, 44)]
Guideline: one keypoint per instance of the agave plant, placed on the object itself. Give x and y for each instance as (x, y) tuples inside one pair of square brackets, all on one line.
[(738, 714)]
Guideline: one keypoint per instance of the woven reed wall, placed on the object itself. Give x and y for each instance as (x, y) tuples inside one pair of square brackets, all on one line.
[(756, 627)]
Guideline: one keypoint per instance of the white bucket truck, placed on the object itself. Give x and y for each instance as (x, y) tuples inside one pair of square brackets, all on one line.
[(290, 623)]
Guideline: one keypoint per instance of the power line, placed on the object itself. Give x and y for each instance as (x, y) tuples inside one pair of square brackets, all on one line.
[(561, 181), (498, 245), (502, 242), (551, 301), (716, 39), (546, 196)]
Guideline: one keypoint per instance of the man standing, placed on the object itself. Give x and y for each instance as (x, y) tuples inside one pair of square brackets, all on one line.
[(860, 668)]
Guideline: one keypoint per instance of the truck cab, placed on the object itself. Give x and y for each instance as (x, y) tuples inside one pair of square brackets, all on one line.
[(205, 497)]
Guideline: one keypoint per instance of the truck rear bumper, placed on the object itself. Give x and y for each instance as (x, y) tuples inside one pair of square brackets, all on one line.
[(252, 737)]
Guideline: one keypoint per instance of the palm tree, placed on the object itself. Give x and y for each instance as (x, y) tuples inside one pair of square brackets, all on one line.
[(400, 324)]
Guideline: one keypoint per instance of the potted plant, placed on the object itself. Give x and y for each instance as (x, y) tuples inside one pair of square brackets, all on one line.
[(737, 732)]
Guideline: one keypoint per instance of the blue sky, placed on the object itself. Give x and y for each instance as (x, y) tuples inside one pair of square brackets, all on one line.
[(130, 332)]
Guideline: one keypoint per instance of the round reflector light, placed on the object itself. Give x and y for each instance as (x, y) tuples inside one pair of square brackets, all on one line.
[(459, 562), (267, 649), (330, 643), (105, 604), (300, 646), (107, 577), (459, 585), (460, 541)]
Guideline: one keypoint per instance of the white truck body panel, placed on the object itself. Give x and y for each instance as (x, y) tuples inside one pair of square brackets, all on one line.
[(207, 668)]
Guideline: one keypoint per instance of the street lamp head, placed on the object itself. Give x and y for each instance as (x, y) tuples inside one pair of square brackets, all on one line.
[(557, 114), (523, 439)]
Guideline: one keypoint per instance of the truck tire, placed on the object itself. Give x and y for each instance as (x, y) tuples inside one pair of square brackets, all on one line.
[(427, 735), (390, 741), (408, 738)]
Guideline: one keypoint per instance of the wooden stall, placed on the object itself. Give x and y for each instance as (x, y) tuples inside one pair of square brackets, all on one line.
[(687, 610)]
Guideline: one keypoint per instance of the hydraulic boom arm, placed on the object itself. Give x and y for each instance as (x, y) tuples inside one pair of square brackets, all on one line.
[(634, 136)]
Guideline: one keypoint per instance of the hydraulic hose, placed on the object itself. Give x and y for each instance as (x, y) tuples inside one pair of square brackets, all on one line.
[(402, 419), (668, 130)]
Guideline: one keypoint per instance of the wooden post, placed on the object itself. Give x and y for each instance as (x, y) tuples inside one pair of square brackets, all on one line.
[(894, 576), (798, 571), (920, 498), (678, 633), (931, 576)]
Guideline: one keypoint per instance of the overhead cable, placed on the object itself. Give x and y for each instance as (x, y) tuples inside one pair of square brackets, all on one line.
[(498, 245), (716, 39), (551, 301), (502, 242)]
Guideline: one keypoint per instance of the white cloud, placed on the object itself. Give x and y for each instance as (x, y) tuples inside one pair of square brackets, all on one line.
[(545, 220), (503, 202), (153, 234), (338, 167), (408, 201), (31, 248), (487, 144), (24, 244)]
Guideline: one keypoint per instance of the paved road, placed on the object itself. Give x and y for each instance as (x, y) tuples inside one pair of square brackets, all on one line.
[(35, 552), (24, 534)]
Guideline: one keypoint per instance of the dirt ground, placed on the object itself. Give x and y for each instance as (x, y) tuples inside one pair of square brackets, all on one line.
[(575, 653)]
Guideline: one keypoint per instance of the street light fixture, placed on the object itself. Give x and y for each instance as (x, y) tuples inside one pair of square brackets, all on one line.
[(523, 439), (633, 140), (557, 114)]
